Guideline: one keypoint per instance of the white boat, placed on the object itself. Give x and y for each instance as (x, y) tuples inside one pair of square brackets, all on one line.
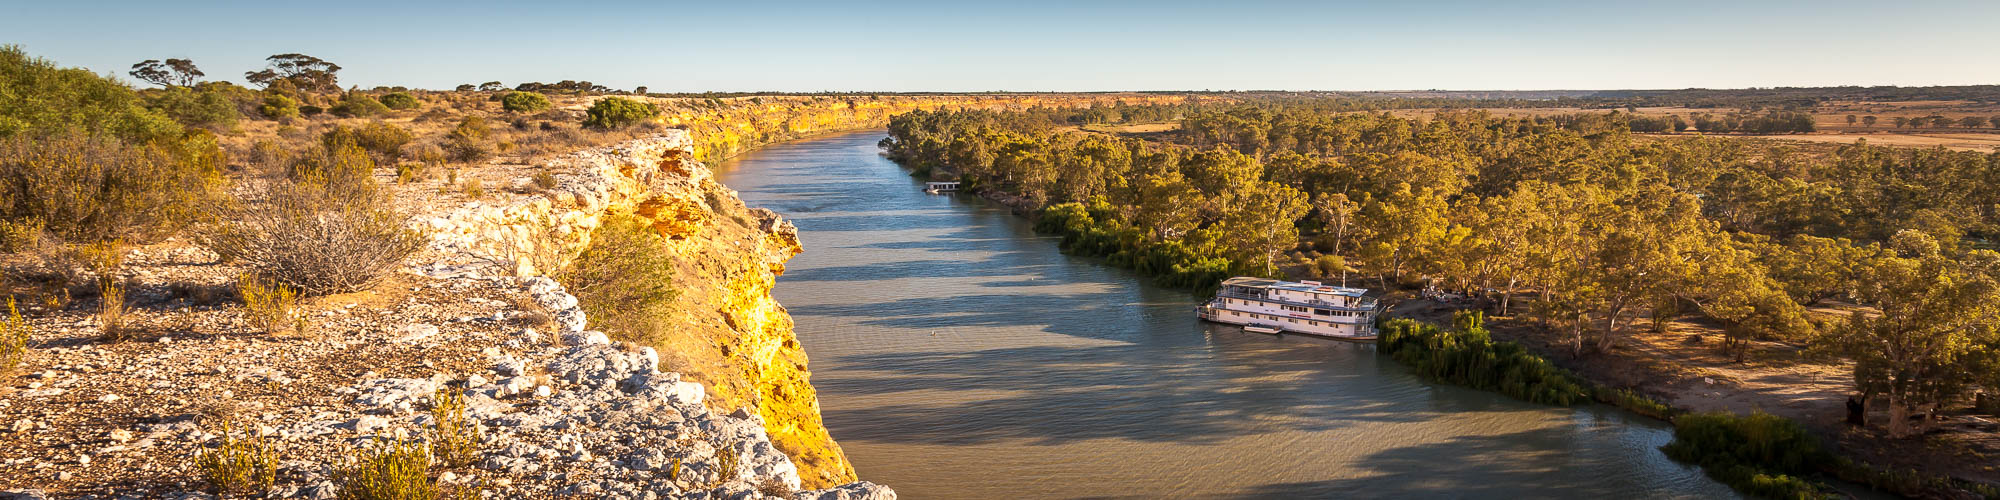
[(1260, 328), (1304, 307)]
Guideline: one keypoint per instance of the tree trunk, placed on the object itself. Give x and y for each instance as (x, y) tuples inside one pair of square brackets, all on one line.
[(1508, 296), (1899, 416), (1604, 339)]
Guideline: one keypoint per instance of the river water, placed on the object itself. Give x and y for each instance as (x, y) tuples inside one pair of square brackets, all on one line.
[(960, 355)]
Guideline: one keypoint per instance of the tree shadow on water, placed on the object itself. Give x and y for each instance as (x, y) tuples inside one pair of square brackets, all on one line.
[(1548, 462), (1057, 394)]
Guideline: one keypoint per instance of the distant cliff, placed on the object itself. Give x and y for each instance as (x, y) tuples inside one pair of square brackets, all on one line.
[(726, 127)]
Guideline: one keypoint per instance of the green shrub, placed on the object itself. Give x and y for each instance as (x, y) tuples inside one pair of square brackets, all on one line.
[(618, 112), (42, 99), (245, 465), (356, 105), (193, 108), (1637, 403), (624, 280), (472, 127), (90, 188), (1760, 454), (524, 102), (1096, 231), (310, 110), (1467, 355), (400, 101), (277, 107), (384, 140)]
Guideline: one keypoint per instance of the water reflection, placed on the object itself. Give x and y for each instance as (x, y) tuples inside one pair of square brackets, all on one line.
[(959, 355)]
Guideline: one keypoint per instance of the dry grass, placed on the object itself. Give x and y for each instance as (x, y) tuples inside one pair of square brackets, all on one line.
[(247, 465), (455, 438), (14, 333), (394, 470), (271, 306)]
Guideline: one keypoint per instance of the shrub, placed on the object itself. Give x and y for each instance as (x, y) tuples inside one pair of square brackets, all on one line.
[(21, 235), (1637, 403), (277, 107), (624, 280), (105, 259), (455, 438), (43, 100), (270, 306), (1468, 356), (473, 128), (473, 189), (618, 112), (467, 142), (245, 465), (193, 108), (391, 470), (358, 106), (14, 333), (1760, 454), (725, 465), (400, 101), (524, 102), (327, 229), (89, 188), (545, 180), (383, 139), (409, 172), (310, 110)]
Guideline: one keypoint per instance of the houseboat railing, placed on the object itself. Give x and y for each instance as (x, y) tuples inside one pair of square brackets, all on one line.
[(1363, 305)]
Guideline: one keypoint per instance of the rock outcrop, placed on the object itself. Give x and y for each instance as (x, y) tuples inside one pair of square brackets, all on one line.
[(723, 409), (736, 340)]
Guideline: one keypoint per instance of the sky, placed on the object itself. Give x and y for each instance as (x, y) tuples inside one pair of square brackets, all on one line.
[(1033, 45)]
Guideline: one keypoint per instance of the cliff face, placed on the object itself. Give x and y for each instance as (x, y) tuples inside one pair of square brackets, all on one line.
[(736, 339), (729, 126)]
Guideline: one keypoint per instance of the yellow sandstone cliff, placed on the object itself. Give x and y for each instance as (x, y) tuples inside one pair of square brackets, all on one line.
[(734, 337)]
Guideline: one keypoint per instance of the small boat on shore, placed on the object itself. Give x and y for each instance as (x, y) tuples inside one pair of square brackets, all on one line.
[(1265, 305)]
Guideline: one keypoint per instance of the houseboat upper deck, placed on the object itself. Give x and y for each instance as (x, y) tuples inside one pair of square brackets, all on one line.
[(1307, 307)]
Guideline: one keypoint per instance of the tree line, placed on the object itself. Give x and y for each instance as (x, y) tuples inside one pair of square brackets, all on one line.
[(1601, 229)]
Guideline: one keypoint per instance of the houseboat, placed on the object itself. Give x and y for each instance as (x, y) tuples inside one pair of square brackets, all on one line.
[(941, 187), (1305, 307)]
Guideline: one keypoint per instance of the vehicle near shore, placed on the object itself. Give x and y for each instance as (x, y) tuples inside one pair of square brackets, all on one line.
[(1272, 306)]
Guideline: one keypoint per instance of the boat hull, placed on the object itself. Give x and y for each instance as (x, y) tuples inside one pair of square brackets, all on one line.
[(1211, 314)]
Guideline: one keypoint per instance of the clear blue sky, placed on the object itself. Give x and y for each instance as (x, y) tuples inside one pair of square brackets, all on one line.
[(744, 45)]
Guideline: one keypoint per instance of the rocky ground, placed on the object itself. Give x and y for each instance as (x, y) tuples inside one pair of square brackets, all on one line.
[(564, 411)]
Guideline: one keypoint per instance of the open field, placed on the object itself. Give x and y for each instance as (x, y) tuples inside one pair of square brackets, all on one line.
[(1965, 141)]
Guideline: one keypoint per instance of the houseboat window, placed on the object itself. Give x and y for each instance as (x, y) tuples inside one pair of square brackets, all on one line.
[(1323, 312)]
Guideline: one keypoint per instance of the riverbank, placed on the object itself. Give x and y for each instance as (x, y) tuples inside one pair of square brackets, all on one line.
[(1683, 367), (959, 354)]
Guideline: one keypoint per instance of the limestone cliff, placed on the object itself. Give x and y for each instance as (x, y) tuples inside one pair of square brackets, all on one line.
[(736, 339), (726, 127)]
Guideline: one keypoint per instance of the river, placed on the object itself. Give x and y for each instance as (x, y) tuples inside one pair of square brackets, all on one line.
[(960, 355)]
